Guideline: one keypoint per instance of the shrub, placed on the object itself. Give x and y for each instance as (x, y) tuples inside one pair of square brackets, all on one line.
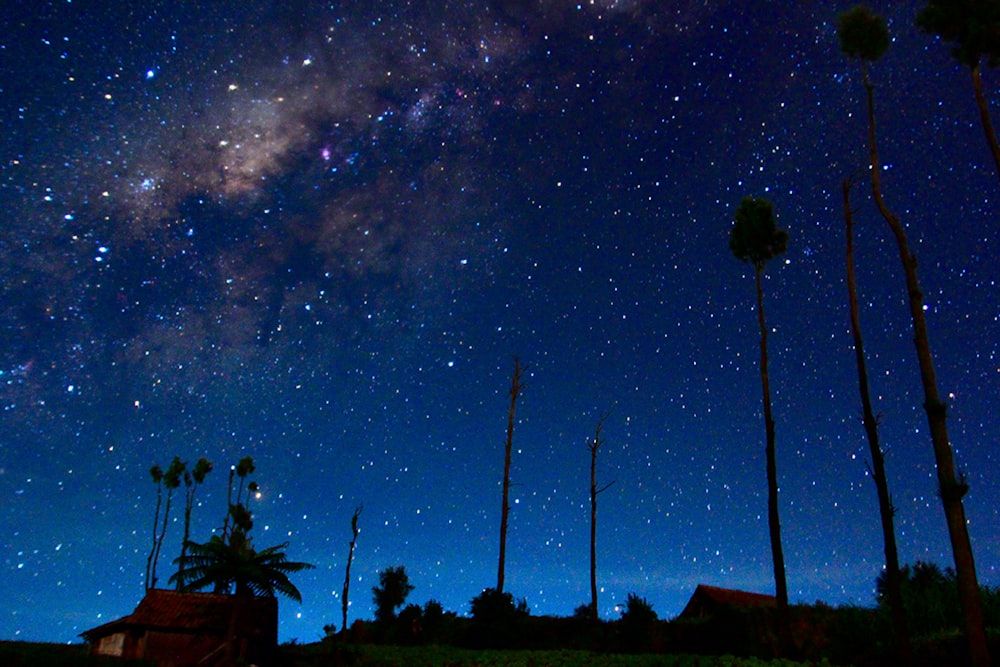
[(495, 619), (637, 624)]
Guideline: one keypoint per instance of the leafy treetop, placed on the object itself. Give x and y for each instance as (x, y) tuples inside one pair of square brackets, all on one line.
[(863, 34), (754, 237), (972, 26)]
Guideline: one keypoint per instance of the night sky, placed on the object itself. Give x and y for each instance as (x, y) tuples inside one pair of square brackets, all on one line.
[(318, 234)]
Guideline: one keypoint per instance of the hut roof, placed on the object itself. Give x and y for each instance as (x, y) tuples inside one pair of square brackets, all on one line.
[(707, 599), (163, 609)]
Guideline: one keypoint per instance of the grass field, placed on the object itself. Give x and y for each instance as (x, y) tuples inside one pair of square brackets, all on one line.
[(27, 654), (323, 655), (31, 654)]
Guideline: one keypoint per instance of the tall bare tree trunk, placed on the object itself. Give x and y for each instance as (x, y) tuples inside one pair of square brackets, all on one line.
[(150, 576), (159, 540), (189, 501), (515, 390), (777, 554), (229, 505), (593, 446), (595, 443), (347, 574), (951, 488), (886, 509), (984, 116)]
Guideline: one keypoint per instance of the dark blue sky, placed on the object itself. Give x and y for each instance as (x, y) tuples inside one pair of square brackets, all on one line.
[(317, 234)]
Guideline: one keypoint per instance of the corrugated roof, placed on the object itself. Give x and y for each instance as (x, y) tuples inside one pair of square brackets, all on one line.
[(173, 610), (736, 598), (707, 600)]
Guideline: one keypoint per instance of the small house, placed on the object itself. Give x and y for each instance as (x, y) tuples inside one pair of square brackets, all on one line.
[(707, 601), (175, 629)]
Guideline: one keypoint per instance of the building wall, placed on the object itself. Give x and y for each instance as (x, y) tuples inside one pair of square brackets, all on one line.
[(113, 644)]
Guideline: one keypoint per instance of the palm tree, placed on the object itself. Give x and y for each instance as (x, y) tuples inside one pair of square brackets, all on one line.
[(973, 26), (236, 567), (755, 239), (863, 35), (237, 511), (171, 479), (192, 480), (156, 472)]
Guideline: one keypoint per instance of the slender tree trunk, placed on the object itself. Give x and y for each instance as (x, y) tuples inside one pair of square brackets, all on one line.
[(984, 116), (777, 555), (229, 506), (188, 504), (593, 446), (593, 522), (515, 390), (184, 543), (347, 574), (951, 488), (152, 552), (886, 509), (163, 532)]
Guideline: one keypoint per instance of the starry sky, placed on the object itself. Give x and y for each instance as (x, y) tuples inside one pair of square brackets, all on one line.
[(318, 233)]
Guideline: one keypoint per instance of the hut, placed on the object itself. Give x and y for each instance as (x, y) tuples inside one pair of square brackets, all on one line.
[(174, 629), (707, 601)]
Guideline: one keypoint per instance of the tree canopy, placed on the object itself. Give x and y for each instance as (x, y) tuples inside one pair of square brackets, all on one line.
[(394, 586), (971, 26), (235, 566), (863, 34), (755, 237)]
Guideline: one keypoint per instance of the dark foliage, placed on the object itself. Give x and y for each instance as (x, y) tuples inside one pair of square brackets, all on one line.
[(394, 586), (437, 625), (755, 237), (930, 597), (971, 26), (496, 619), (863, 34), (636, 624), (818, 633), (235, 566)]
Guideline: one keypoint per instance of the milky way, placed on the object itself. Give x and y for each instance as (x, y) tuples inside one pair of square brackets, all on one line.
[(318, 234)]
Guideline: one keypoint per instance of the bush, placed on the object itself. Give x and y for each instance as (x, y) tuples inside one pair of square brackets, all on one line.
[(637, 624), (496, 619)]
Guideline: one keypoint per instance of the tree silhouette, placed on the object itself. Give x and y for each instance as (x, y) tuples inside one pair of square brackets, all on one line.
[(973, 27), (755, 239), (496, 619), (515, 390), (227, 563), (863, 35), (237, 511), (170, 480), (236, 567), (394, 586), (593, 446), (156, 472), (192, 480), (870, 422), (930, 596), (347, 573), (637, 622)]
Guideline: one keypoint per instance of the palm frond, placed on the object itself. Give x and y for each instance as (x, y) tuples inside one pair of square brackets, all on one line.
[(224, 566)]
